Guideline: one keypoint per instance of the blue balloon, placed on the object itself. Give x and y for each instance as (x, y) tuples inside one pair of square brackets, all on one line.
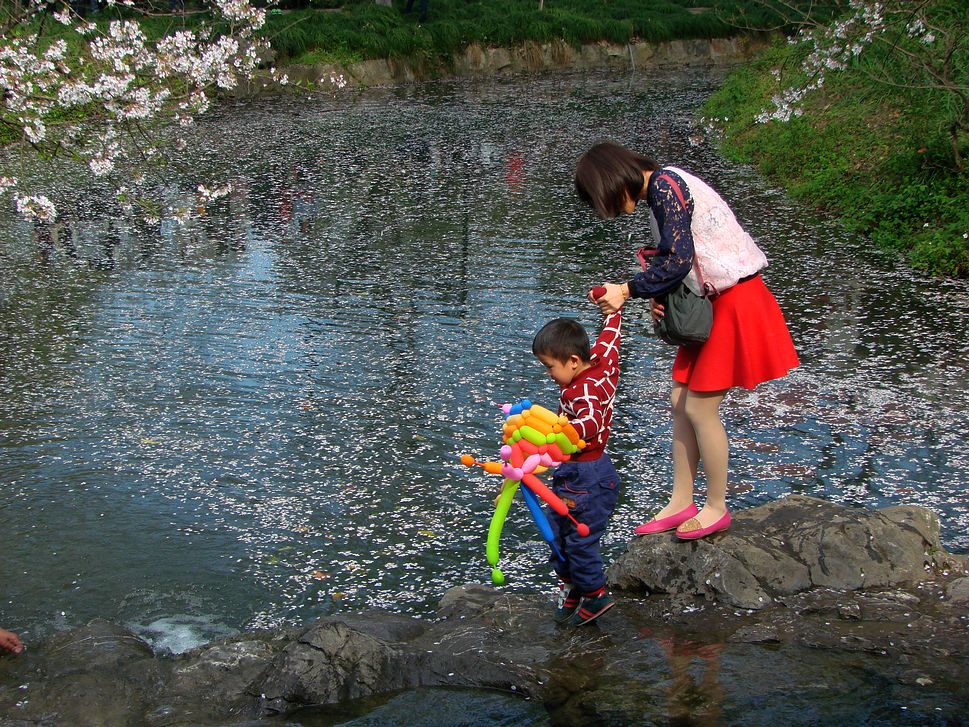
[(541, 519), (520, 407)]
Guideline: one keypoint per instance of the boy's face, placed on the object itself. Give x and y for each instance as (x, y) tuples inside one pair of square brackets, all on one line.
[(562, 372)]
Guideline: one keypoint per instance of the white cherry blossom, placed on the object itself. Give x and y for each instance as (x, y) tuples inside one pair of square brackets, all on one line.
[(923, 39), (121, 79)]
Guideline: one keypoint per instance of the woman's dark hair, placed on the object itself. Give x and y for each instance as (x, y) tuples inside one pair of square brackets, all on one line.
[(607, 173), (561, 339)]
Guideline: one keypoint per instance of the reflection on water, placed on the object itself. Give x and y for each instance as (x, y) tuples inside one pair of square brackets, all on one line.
[(428, 708), (695, 695), (257, 413)]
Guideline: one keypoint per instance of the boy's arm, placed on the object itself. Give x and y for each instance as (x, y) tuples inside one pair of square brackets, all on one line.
[(585, 413), (584, 407), (606, 346)]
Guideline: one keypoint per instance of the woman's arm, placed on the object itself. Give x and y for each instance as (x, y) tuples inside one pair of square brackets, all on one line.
[(674, 250)]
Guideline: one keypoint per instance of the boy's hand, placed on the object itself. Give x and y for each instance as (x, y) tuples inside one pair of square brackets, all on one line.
[(500, 490), (656, 310)]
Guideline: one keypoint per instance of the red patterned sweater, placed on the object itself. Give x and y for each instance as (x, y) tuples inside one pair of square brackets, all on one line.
[(588, 400)]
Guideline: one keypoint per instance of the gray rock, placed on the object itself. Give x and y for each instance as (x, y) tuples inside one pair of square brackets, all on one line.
[(958, 591), (99, 674), (210, 682), (784, 547), (756, 634), (351, 656)]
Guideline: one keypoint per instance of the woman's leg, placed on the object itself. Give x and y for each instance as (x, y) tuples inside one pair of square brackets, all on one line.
[(686, 454), (702, 409)]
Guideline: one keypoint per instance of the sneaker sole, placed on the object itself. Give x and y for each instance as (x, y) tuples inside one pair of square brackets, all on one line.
[(579, 621)]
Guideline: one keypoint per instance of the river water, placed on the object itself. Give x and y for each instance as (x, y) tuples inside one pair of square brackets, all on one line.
[(254, 417)]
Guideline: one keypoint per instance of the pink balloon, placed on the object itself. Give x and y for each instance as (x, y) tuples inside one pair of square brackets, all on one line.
[(531, 462), (511, 473)]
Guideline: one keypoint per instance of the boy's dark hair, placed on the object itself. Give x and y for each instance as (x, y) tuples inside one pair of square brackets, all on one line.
[(606, 173), (562, 338)]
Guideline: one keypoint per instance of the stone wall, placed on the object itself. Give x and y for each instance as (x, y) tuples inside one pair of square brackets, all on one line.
[(530, 57)]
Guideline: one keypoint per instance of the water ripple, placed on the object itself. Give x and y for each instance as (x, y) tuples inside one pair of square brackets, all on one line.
[(255, 418)]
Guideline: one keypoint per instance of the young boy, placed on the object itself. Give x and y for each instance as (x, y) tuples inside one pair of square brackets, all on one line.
[(588, 482)]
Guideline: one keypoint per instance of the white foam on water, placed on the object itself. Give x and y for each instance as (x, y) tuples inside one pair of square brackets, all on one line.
[(181, 632)]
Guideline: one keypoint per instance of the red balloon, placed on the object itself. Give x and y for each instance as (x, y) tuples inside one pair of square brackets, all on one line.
[(538, 487)]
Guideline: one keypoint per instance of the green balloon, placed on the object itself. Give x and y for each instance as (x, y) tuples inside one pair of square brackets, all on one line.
[(498, 520), (494, 531)]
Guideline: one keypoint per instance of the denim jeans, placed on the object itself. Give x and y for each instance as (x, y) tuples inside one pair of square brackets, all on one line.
[(590, 489)]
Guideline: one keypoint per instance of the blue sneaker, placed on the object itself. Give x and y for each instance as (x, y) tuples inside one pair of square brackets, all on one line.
[(591, 609)]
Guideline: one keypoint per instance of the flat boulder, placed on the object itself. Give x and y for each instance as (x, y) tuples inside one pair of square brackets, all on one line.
[(477, 643), (100, 673), (784, 547)]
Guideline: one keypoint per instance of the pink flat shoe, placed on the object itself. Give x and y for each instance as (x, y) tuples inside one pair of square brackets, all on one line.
[(670, 522), (721, 524)]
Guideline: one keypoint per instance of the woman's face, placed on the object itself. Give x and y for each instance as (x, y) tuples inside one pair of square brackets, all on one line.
[(628, 204)]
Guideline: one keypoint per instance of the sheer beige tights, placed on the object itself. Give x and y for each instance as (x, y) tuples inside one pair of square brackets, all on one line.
[(698, 434)]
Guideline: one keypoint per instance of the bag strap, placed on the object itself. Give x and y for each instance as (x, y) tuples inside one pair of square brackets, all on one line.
[(675, 186), (643, 253), (696, 258)]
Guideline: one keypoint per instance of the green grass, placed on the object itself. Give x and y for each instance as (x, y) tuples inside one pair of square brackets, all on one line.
[(877, 157), (362, 29), (348, 31)]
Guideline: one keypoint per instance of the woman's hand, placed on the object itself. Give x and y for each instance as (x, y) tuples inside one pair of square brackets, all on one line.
[(613, 298), (656, 310)]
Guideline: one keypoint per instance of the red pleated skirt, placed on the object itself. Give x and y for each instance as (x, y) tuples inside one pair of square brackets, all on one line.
[(749, 342)]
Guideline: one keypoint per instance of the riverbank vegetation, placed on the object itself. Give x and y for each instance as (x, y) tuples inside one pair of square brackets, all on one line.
[(95, 81), (361, 29), (882, 141), (345, 31)]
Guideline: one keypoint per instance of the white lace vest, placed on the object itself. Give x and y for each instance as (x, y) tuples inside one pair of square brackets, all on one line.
[(724, 250)]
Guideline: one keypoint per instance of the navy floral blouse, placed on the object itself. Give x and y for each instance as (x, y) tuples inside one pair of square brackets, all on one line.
[(674, 249)]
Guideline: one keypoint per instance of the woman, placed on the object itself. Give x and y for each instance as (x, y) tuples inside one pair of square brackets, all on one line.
[(698, 238)]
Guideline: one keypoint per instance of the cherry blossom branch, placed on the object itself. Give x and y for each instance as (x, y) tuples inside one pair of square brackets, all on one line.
[(117, 81)]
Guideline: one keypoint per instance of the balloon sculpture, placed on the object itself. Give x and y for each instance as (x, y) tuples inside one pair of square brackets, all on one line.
[(535, 440)]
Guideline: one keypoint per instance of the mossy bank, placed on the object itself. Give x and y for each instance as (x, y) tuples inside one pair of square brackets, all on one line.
[(878, 157)]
